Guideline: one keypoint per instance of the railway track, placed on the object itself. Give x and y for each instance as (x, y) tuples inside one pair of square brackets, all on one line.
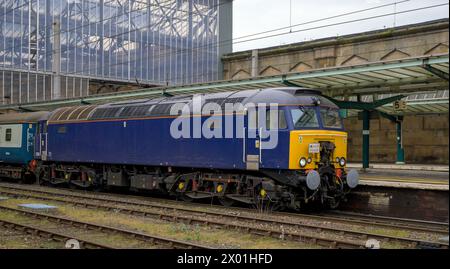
[(332, 216), (205, 220), (55, 236), (378, 221), (383, 221), (261, 226), (154, 240)]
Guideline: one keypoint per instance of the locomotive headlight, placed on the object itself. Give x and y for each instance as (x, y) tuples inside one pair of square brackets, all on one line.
[(303, 162), (342, 161), (309, 160), (338, 159)]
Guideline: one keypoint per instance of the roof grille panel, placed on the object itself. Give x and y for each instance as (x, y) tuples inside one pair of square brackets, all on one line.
[(105, 113), (162, 109), (135, 111)]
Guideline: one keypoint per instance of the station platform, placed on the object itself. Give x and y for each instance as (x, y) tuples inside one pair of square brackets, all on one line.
[(422, 167), (416, 176)]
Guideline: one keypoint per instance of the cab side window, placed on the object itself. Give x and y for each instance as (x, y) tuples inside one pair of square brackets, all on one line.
[(8, 134), (281, 120), (270, 125), (252, 119), (282, 124)]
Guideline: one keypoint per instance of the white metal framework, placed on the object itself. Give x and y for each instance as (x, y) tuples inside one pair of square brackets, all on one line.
[(158, 42)]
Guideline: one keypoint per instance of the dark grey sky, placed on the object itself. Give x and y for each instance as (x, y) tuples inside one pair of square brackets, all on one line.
[(254, 16)]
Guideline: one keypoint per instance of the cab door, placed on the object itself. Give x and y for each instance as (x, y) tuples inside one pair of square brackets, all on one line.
[(43, 140), (252, 147), (37, 141)]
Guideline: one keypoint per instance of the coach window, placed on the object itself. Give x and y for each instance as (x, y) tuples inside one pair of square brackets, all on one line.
[(8, 134)]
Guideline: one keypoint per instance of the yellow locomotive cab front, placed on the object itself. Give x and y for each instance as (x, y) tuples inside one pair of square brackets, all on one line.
[(304, 148)]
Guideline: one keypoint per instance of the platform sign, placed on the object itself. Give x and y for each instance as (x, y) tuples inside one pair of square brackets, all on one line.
[(400, 105)]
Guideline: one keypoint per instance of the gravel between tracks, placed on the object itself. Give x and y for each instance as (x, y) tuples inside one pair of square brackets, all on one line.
[(239, 212)]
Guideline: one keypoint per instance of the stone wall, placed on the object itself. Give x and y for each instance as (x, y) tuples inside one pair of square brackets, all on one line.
[(427, 38), (425, 139), (430, 205)]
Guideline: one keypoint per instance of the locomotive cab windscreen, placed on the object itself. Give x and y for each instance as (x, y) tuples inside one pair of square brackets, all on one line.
[(315, 118)]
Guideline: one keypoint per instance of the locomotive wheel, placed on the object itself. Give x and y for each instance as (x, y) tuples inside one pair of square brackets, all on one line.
[(226, 201), (29, 179), (42, 181), (276, 206)]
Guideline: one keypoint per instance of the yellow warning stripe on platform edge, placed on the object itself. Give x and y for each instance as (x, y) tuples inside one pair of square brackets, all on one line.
[(407, 180)]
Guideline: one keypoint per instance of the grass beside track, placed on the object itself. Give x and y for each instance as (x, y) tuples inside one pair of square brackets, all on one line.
[(116, 241), (12, 239), (217, 238), (194, 232)]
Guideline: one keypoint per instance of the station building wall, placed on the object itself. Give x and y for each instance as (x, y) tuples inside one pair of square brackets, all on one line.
[(427, 38), (425, 139)]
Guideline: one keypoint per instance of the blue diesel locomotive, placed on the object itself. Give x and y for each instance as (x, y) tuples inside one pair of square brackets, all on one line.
[(182, 146)]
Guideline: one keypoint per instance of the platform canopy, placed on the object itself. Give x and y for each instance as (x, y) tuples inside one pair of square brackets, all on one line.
[(408, 75), (430, 102), (420, 103)]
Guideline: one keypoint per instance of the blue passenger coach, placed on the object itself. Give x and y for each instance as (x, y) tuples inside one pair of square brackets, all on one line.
[(17, 141)]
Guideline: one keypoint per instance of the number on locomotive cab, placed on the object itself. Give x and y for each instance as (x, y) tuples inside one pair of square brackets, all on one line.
[(314, 148)]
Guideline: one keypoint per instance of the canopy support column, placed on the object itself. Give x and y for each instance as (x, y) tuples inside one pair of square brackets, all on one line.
[(366, 138), (400, 150)]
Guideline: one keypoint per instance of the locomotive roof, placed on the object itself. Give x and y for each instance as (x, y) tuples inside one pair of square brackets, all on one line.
[(288, 95), (161, 106), (26, 117)]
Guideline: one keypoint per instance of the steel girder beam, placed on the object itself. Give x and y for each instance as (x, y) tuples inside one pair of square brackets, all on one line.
[(203, 22), (168, 16), (33, 36), (436, 71), (364, 105)]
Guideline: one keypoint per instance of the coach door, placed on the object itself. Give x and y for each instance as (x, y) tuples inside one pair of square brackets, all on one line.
[(252, 141)]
